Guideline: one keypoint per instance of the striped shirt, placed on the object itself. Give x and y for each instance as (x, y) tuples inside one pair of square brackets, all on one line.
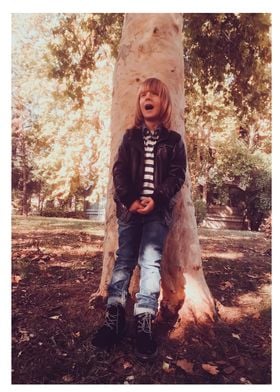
[(150, 139)]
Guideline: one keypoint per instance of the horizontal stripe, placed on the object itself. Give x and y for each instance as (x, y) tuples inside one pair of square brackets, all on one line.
[(147, 193), (149, 145), (149, 182), (149, 176), (149, 150), (149, 162), (148, 169)]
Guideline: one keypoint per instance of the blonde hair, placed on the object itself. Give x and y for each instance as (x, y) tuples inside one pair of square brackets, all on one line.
[(158, 87)]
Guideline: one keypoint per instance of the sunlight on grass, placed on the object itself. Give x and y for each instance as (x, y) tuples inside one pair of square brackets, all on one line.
[(205, 233), (226, 255), (248, 304), (36, 223)]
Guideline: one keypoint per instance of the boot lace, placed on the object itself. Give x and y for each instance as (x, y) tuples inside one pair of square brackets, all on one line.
[(144, 323), (111, 320)]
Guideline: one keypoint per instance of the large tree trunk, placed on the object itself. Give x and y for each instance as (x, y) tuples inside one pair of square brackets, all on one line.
[(151, 46)]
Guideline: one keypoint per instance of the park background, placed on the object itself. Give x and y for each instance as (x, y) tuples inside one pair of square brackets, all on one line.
[(70, 207), (62, 67)]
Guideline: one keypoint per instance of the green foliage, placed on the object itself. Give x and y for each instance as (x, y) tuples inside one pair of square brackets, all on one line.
[(62, 85), (60, 213), (200, 210), (67, 142), (231, 52), (236, 166), (77, 45)]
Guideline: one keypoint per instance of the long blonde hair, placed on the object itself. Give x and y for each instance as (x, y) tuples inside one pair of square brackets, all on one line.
[(158, 87)]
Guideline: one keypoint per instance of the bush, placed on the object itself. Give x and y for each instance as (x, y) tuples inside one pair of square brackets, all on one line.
[(200, 210), (266, 227), (58, 213)]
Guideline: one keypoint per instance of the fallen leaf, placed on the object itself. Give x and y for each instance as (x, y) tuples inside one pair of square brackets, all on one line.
[(166, 367), (244, 380), (130, 378), (55, 317), (16, 279), (185, 365), (67, 378), (221, 362), (252, 276), (25, 337), (211, 369), (235, 335), (229, 370), (127, 365), (226, 285)]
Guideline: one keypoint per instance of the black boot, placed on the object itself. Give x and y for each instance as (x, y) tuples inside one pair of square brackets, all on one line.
[(113, 329), (145, 347)]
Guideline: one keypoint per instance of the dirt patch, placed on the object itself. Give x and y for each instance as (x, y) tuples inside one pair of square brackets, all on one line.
[(55, 270)]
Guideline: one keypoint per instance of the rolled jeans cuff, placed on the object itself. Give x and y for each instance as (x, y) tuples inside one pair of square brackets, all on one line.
[(140, 310), (116, 300)]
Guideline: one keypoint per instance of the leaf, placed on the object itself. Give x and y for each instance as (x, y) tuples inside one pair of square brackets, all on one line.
[(130, 378), (244, 380), (127, 365), (229, 370), (166, 367), (185, 365), (25, 337), (55, 317), (67, 378), (235, 335), (211, 369), (226, 285), (16, 279)]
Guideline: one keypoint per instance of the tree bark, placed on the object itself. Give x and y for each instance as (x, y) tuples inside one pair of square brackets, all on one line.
[(151, 46)]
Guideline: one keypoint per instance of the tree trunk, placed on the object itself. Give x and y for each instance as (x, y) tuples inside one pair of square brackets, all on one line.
[(151, 46), (24, 178)]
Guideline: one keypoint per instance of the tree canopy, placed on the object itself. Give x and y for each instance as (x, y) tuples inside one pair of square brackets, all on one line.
[(62, 68)]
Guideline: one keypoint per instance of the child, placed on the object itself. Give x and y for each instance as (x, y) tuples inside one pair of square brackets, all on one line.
[(148, 172)]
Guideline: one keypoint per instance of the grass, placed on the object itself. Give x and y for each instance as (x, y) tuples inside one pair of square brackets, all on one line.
[(34, 223)]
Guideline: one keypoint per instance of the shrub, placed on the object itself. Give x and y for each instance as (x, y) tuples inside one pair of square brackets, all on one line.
[(200, 210)]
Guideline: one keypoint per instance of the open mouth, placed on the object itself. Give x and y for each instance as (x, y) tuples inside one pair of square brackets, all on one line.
[(148, 106)]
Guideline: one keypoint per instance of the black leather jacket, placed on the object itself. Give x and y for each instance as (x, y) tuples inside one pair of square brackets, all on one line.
[(169, 171)]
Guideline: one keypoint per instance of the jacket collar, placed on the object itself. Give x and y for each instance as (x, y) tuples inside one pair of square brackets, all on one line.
[(138, 135)]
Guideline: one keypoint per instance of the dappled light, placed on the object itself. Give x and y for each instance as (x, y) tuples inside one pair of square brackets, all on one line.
[(250, 304), (226, 255), (74, 82)]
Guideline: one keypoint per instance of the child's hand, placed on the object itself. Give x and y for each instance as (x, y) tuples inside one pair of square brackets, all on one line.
[(147, 205), (135, 206)]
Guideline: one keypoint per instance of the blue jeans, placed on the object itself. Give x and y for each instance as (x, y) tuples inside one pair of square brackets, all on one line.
[(141, 240)]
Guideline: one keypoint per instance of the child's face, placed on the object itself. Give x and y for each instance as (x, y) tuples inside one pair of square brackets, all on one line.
[(150, 105)]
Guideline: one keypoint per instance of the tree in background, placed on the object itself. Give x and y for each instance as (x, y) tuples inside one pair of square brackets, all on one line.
[(66, 81), (62, 70), (228, 89)]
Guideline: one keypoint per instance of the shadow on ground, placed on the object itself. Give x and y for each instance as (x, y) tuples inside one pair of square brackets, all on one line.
[(53, 277)]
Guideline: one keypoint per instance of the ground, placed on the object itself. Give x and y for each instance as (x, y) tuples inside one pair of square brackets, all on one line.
[(56, 265)]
